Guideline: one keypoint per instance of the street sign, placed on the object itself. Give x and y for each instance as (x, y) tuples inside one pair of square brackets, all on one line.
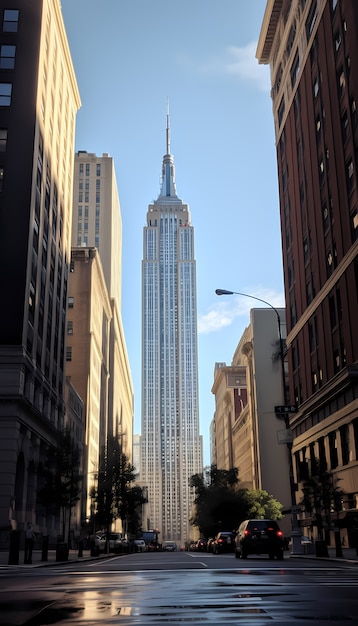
[(286, 408), (284, 436)]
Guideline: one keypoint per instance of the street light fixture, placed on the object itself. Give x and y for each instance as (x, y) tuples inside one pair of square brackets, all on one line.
[(296, 533)]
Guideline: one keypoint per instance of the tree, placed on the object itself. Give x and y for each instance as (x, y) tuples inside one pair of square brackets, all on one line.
[(321, 496), (61, 479), (114, 496), (223, 505), (261, 505)]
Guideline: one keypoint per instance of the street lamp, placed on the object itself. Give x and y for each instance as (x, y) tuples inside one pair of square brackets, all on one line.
[(296, 533)]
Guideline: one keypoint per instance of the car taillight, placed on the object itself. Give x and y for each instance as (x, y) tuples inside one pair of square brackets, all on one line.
[(279, 533), (247, 533), (220, 541)]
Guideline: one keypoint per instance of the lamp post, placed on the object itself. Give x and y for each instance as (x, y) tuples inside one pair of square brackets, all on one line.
[(296, 533)]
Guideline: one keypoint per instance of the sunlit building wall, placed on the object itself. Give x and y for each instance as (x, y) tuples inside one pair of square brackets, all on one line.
[(97, 222), (39, 102), (87, 355)]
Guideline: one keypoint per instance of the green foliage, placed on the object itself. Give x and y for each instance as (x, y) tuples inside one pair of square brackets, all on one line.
[(221, 505), (261, 505), (114, 496)]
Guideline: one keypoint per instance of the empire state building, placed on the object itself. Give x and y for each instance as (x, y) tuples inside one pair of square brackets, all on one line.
[(171, 443)]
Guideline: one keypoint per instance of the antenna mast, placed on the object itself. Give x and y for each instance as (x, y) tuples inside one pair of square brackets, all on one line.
[(168, 128)]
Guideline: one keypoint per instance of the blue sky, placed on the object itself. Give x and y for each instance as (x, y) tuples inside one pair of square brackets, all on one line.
[(130, 57)]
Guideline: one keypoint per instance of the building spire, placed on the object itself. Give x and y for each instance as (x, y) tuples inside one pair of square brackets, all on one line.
[(168, 128), (168, 188)]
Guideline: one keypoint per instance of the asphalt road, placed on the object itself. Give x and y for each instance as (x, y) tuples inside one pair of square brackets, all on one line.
[(163, 589)]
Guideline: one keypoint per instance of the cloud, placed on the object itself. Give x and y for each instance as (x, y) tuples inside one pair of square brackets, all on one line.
[(244, 65), (226, 311), (239, 62)]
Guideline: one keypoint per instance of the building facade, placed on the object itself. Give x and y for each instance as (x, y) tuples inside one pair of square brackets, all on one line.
[(230, 391), (39, 100), (248, 434), (87, 356), (171, 443), (312, 49), (97, 222)]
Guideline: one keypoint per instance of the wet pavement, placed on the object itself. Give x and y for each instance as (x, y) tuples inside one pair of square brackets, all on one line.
[(254, 592), (163, 589)]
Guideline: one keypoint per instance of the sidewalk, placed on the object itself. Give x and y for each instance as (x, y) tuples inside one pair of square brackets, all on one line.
[(349, 556), (51, 558)]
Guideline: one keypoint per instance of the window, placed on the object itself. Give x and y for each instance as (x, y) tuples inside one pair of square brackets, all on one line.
[(344, 432), (337, 40), (350, 175), (322, 454), (332, 313), (281, 111), (318, 124), (354, 225), (311, 20), (3, 139), (345, 127), (332, 438), (10, 21), (71, 302), (68, 353), (70, 327), (7, 57), (315, 87), (291, 39), (87, 169), (98, 169), (1, 178), (295, 70), (5, 94), (341, 82)]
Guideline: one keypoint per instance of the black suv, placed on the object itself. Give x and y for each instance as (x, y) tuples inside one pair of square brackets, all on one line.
[(259, 536)]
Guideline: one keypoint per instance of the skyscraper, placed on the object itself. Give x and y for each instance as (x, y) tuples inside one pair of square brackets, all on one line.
[(171, 443)]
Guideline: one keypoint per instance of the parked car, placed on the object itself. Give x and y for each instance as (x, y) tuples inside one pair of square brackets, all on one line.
[(259, 536), (115, 543), (169, 546), (96, 543), (140, 545), (223, 542), (306, 543), (209, 545), (201, 545)]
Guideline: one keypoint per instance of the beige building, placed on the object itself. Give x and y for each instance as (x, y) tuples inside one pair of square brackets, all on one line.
[(248, 434), (39, 103), (230, 391), (97, 223), (87, 353)]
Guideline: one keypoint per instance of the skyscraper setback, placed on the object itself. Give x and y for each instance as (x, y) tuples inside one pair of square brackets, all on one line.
[(171, 443)]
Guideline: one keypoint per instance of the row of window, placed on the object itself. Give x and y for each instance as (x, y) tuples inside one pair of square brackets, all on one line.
[(341, 451), (85, 168)]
